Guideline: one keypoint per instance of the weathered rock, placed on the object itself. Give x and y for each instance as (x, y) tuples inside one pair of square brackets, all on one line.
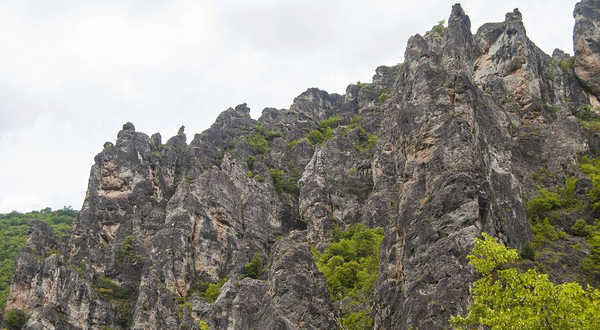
[(586, 38), (435, 150)]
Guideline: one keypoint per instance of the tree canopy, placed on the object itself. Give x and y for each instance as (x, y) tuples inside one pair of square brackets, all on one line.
[(505, 298)]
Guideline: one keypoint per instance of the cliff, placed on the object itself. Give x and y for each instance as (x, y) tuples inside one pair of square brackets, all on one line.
[(435, 150)]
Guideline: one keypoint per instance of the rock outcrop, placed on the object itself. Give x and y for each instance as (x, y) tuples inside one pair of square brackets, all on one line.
[(586, 38), (435, 150)]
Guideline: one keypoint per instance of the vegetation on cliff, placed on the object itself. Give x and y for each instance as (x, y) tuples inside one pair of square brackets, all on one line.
[(350, 266), (13, 234), (506, 298)]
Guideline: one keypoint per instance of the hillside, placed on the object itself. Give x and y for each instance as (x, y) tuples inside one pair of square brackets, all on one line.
[(355, 210)]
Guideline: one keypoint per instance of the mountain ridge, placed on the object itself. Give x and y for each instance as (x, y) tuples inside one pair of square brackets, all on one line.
[(435, 150)]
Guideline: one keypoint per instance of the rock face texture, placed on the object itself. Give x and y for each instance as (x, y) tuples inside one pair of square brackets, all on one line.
[(586, 37), (435, 150)]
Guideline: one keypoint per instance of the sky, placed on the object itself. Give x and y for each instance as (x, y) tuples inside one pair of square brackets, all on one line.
[(72, 72)]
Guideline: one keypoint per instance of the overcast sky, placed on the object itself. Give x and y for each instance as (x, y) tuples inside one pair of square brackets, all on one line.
[(72, 72)]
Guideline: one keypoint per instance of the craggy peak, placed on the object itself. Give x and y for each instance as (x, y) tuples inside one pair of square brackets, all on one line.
[(465, 173)]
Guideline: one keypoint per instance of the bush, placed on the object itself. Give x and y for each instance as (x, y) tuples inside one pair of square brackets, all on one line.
[(15, 319), (250, 162), (383, 97), (331, 122), (254, 268), (544, 231), (258, 142), (580, 228), (315, 137), (528, 252), (282, 183), (567, 64), (214, 289)]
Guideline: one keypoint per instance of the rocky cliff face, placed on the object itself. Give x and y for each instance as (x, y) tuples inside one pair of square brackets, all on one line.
[(435, 150)]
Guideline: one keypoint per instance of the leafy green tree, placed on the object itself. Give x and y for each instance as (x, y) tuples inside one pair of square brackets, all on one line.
[(504, 298)]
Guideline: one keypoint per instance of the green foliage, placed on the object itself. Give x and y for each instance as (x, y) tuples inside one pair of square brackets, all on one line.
[(528, 252), (366, 141), (282, 183), (383, 97), (13, 234), (213, 290), (254, 268), (292, 143), (581, 228), (360, 320), (591, 263), (183, 305), (564, 197), (203, 325), (439, 28), (258, 142), (272, 134), (331, 122), (325, 131), (544, 231), (15, 319), (250, 162), (350, 265), (566, 64), (126, 251), (588, 118), (315, 137), (108, 290), (592, 169), (504, 298)]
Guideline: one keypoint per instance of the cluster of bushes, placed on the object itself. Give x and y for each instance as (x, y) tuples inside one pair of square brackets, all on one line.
[(350, 265), (13, 234), (505, 298), (260, 137), (366, 141), (325, 130)]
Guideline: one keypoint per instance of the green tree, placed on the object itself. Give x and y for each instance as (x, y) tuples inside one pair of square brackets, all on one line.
[(504, 298)]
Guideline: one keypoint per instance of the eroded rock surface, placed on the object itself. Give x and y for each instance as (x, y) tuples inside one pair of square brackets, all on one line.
[(435, 150)]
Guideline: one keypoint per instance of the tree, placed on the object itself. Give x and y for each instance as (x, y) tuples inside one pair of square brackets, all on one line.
[(505, 298)]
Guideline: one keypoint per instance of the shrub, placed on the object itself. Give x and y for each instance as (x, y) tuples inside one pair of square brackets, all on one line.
[(250, 162), (439, 28), (315, 137), (254, 268), (383, 97), (281, 182), (567, 64), (580, 228), (528, 252), (331, 122), (214, 289), (258, 142), (544, 231), (15, 319), (350, 265)]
